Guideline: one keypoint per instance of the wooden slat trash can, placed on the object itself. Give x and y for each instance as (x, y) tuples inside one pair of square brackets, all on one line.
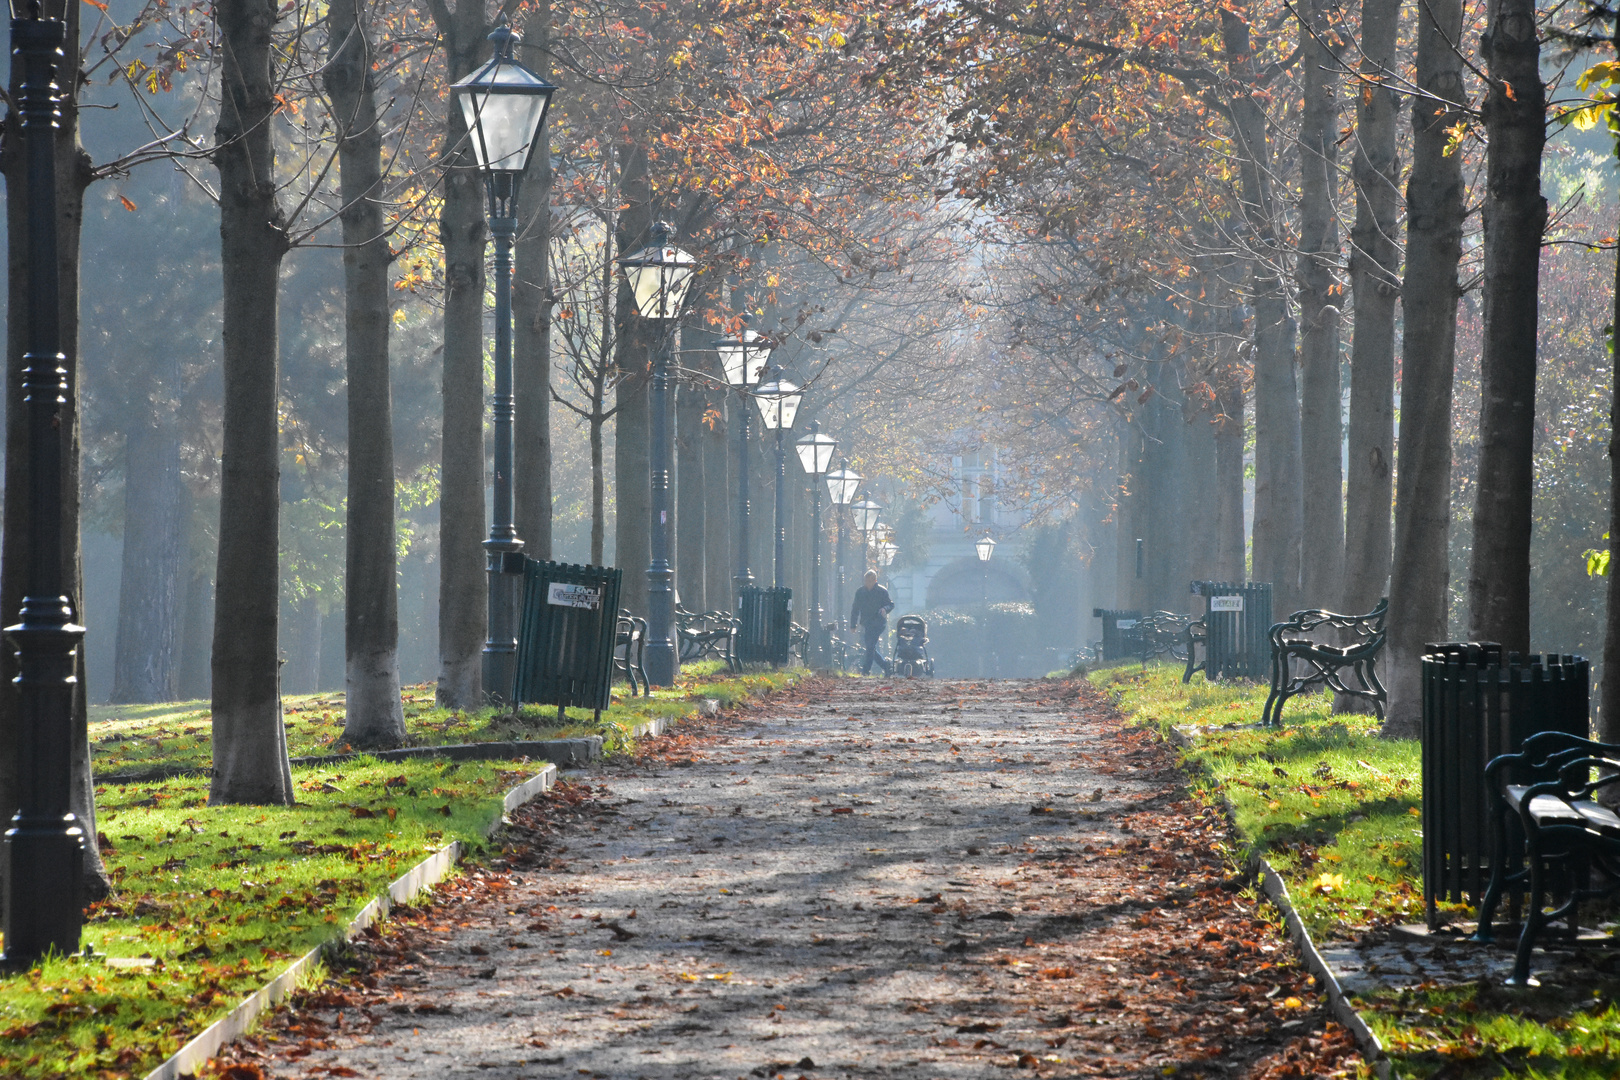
[(1478, 705), (567, 636), (765, 631), (1121, 639), (1236, 622)]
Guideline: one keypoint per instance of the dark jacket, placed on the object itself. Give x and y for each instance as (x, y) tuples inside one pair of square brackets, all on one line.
[(870, 607)]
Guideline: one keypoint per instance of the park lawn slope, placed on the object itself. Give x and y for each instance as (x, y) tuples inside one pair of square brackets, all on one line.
[(220, 898), (1336, 810), (132, 738)]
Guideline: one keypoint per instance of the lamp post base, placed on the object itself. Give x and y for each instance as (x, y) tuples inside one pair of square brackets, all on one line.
[(504, 562), (45, 860)]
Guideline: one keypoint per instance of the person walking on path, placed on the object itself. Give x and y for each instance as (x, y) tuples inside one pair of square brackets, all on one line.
[(871, 613)]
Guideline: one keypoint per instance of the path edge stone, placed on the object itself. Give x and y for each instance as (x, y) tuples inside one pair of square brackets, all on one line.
[(424, 875), (1276, 890)]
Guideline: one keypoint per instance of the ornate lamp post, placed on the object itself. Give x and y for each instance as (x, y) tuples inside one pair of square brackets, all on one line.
[(504, 104), (842, 484), (986, 547), (44, 847), (778, 402), (815, 455), (743, 358), (659, 276), (886, 552)]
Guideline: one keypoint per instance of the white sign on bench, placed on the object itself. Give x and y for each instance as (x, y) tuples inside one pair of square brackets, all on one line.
[(1226, 603), (574, 596)]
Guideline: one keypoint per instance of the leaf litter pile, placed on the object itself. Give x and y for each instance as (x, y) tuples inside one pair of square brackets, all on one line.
[(853, 878)]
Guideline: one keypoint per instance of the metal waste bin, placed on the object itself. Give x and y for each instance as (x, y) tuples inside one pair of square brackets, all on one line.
[(1121, 638), (765, 631), (1476, 706), (1237, 620), (567, 636)]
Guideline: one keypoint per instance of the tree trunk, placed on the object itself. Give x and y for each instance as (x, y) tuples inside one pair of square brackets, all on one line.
[(1374, 284), (250, 744), (373, 712), (598, 495), (303, 671), (146, 667), (198, 629), (1608, 711), (1231, 435), (1515, 214), (632, 463), (531, 331), (1322, 496), (690, 522), (463, 590), (1434, 200), (1278, 507), (72, 178), (718, 490)]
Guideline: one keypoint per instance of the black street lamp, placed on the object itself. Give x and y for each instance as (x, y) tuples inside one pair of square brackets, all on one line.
[(44, 847), (866, 515), (842, 485), (778, 402), (659, 275), (743, 358), (815, 455), (504, 105)]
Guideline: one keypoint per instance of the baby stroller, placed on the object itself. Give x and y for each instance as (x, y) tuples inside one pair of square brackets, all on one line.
[(911, 647)]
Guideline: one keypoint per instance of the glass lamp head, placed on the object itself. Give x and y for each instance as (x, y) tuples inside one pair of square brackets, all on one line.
[(504, 104), (866, 514), (778, 402), (985, 546), (886, 553), (744, 357), (815, 452), (659, 274), (842, 484)]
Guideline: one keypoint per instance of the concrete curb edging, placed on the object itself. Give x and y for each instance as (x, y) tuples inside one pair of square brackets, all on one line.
[(1344, 1012), (1276, 890), (192, 1056)]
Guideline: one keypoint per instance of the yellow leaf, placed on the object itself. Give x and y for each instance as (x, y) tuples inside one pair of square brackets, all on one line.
[(1293, 1003)]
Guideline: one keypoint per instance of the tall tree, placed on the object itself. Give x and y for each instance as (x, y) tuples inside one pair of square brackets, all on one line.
[(463, 592), (632, 468), (146, 664), (1374, 287), (249, 742), (1435, 211), (1515, 216), (373, 711), (1278, 506), (1322, 501), (532, 303)]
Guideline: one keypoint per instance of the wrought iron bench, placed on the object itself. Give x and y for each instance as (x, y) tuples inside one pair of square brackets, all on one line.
[(706, 635), (1163, 633), (799, 643), (629, 644), (1326, 664), (1546, 794)]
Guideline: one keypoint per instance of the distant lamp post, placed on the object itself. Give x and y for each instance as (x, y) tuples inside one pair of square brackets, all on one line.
[(659, 276), (744, 358), (986, 546), (886, 552), (504, 105), (842, 485), (778, 402), (866, 514), (815, 455), (44, 847)]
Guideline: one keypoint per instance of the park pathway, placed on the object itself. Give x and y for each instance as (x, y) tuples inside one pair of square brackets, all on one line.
[(853, 878)]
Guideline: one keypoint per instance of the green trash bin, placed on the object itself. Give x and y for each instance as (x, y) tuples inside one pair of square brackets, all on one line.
[(765, 626), (567, 636)]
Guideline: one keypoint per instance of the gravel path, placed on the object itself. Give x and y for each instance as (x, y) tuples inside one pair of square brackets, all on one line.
[(857, 878)]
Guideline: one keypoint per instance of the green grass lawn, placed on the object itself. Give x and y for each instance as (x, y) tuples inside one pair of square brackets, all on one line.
[(129, 738), (1335, 809), (213, 901)]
